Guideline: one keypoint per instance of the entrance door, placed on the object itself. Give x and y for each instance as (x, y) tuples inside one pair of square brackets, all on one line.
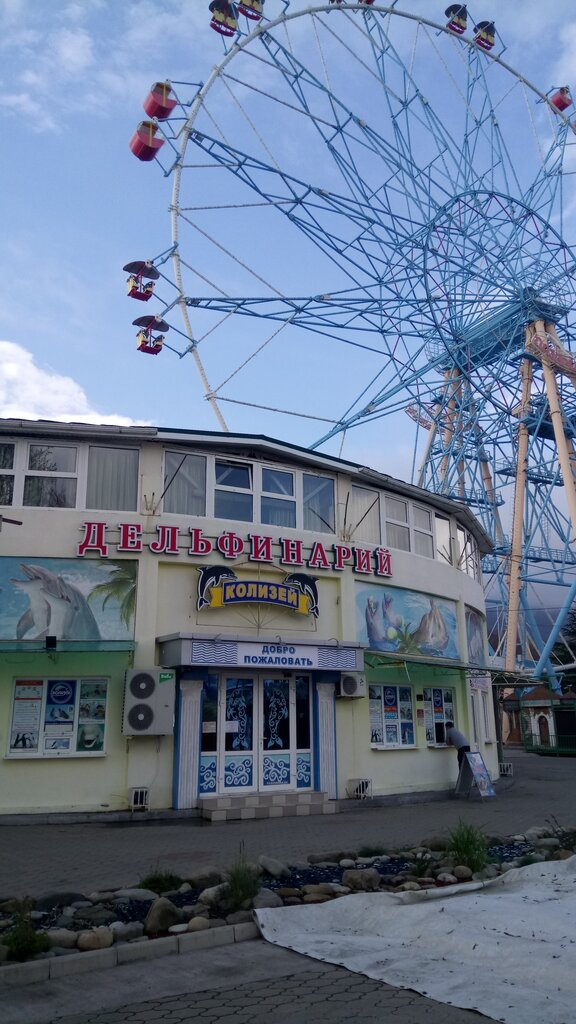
[(264, 733)]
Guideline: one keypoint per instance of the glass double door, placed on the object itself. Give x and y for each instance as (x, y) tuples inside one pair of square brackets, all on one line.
[(263, 733)]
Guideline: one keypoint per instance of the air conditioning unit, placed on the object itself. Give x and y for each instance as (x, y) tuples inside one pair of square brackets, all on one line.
[(149, 702), (351, 684)]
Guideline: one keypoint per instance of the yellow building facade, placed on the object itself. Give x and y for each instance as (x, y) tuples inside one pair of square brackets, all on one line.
[(194, 620)]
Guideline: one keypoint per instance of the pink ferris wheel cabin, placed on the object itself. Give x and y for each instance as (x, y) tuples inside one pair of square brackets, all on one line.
[(144, 143), (160, 102)]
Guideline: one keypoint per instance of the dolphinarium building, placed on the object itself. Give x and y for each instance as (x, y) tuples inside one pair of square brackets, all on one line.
[(228, 625)]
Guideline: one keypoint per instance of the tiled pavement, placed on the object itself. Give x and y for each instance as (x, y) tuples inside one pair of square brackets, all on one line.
[(251, 984)]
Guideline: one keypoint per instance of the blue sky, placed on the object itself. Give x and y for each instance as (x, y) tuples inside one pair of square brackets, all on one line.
[(76, 205)]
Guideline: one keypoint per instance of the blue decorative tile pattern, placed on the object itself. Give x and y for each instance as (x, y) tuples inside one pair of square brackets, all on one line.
[(303, 771), (238, 772), (276, 770), (207, 773)]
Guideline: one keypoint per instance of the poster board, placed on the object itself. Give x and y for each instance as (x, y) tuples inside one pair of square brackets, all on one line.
[(474, 774)]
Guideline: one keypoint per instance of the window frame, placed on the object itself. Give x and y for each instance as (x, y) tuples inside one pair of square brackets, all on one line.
[(46, 685), (397, 721), (448, 713), (82, 446)]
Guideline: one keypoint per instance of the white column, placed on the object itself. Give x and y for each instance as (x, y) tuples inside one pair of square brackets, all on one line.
[(326, 739), (188, 742)]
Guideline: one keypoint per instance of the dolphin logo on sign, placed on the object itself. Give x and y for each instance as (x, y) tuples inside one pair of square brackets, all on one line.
[(211, 576), (307, 586)]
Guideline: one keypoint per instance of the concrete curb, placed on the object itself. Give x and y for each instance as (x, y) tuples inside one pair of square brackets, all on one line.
[(124, 953)]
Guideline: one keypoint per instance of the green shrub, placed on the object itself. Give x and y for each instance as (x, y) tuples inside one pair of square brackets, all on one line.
[(242, 884), (421, 864), (23, 941), (468, 845), (160, 881)]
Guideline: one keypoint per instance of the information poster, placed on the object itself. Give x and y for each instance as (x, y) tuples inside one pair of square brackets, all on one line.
[(58, 717)]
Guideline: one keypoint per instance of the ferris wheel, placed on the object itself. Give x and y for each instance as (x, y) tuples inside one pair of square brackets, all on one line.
[(367, 234)]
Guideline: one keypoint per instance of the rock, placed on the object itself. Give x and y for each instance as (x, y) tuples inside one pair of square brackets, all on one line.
[(143, 895), (462, 873), (292, 901), (265, 899), (13, 906), (206, 877), (214, 895), (185, 887), (436, 843), (96, 915), (57, 899), (445, 878), (125, 931), (312, 887), (37, 915), (63, 937), (365, 862), (198, 924), (490, 871), (333, 858), (362, 879), (161, 916), (103, 897), (276, 868), (537, 832), (547, 844), (178, 929), (97, 938), (347, 862), (240, 917), (79, 904), (409, 887), (562, 854), (316, 897), (333, 889), (69, 911), (284, 891)]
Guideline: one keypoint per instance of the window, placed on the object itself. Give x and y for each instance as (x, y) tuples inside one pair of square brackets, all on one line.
[(6, 478), (391, 716), (112, 478), (233, 495), (423, 538), (277, 505), (438, 709), (443, 542), (52, 480), (319, 506), (468, 554), (58, 718), (364, 515), (185, 484), (486, 717), (398, 534)]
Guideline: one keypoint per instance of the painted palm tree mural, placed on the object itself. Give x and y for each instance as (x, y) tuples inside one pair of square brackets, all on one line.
[(120, 587), (70, 599)]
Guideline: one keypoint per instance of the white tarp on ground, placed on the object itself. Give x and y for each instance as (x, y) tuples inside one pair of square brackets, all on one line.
[(506, 948)]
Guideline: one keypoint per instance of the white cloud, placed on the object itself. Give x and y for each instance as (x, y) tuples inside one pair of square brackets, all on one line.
[(28, 391)]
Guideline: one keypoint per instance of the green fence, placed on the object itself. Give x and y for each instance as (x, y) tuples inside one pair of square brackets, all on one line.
[(558, 746)]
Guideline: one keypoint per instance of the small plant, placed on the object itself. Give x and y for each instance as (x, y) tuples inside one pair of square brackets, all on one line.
[(468, 845), (23, 941), (421, 864), (160, 881), (242, 883), (371, 850)]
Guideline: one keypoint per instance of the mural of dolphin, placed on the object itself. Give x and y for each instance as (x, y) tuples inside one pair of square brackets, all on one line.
[(307, 586), (211, 576), (57, 608)]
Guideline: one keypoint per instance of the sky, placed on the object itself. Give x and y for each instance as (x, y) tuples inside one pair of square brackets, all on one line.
[(76, 206)]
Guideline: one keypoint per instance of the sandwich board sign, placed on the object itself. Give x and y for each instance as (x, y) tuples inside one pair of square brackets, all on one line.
[(474, 774)]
